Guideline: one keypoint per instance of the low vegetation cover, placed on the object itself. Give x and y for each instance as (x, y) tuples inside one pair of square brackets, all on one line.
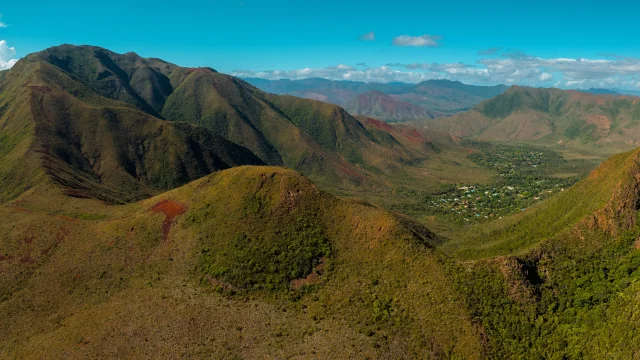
[(255, 262), (140, 221)]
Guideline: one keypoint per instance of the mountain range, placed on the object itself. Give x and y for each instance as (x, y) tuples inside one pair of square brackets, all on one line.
[(603, 91), (609, 123), (156, 211), (395, 102), (92, 140), (96, 122)]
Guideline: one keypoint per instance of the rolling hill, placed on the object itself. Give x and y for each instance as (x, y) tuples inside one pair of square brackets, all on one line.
[(550, 116), (348, 280), (293, 272), (437, 97)]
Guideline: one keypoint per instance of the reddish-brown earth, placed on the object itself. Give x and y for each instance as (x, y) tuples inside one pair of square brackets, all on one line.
[(312, 279), (379, 124), (171, 209)]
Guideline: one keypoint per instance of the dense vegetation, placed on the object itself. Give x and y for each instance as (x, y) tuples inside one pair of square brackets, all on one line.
[(561, 302)]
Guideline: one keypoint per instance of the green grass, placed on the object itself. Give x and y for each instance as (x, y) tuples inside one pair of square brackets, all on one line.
[(383, 291)]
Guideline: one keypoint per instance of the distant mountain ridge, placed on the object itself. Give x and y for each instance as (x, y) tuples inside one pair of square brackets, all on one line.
[(600, 91), (604, 91), (437, 97), (550, 116), (379, 105)]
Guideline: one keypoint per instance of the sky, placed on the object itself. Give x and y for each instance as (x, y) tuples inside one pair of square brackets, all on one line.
[(567, 44)]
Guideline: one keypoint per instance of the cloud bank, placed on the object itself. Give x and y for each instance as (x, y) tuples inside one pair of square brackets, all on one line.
[(501, 68), (7, 56)]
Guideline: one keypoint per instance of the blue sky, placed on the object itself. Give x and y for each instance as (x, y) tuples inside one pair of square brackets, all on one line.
[(544, 43)]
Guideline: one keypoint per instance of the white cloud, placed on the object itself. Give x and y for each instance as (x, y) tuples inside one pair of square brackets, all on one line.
[(378, 74), (507, 68), (424, 40), (2, 24), (545, 76), (621, 71), (7, 56), (341, 67), (370, 36)]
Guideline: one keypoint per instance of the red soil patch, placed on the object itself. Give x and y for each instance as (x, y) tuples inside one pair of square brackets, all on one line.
[(312, 279), (68, 218), (637, 244), (379, 124), (415, 135), (600, 121), (171, 209)]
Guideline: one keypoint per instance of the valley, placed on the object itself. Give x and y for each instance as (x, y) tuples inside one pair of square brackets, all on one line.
[(524, 176), (152, 210)]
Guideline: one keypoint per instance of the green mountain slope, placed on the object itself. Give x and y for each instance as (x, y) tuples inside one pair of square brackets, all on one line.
[(550, 116), (57, 129), (560, 279), (322, 141), (293, 272)]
